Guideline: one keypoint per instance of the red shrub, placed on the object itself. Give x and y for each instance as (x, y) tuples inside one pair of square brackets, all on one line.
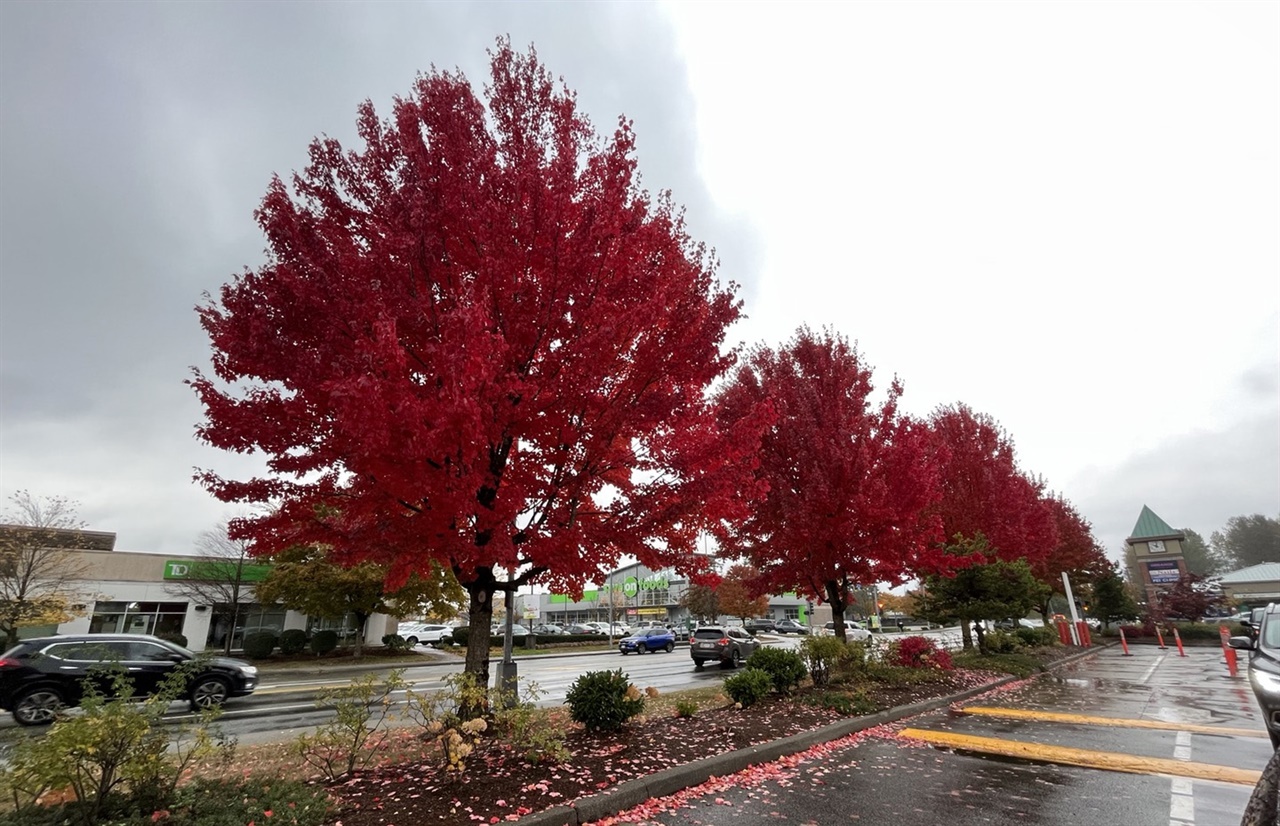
[(921, 652)]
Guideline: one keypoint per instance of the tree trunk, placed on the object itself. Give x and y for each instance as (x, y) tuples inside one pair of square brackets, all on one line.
[(835, 598), (363, 621), (479, 618), (981, 632), (966, 634)]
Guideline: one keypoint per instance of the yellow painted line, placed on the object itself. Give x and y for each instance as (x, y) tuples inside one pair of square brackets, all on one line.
[(1087, 758), (1059, 717)]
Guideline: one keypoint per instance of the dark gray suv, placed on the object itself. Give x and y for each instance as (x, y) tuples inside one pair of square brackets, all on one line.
[(716, 643), (1264, 665)]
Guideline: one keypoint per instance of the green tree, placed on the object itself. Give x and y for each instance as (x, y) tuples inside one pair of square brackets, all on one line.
[(993, 590), (38, 568), (306, 579), (1200, 556), (1112, 601), (1248, 540)]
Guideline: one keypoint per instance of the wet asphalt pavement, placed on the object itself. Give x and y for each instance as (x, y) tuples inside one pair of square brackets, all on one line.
[(1194, 769)]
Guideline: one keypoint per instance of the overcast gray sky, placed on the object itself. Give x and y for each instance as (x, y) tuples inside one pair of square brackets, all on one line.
[(1064, 215)]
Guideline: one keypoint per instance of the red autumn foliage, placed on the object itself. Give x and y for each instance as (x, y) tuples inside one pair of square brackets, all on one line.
[(921, 652), (477, 341), (1077, 553), (983, 491), (849, 482)]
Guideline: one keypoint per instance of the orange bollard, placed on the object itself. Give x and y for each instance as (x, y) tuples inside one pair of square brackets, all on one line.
[(1231, 662), (1160, 639), (1178, 639), (1124, 644)]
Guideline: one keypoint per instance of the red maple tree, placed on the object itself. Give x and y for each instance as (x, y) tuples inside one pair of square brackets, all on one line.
[(849, 482), (984, 491), (737, 593), (478, 342), (1077, 553)]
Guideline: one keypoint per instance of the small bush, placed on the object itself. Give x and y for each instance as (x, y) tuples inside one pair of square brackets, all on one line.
[(998, 642), (1020, 665), (1037, 637), (830, 659), (603, 700), (259, 644), (293, 641), (322, 642), (173, 637), (919, 652), (357, 730), (749, 686), (395, 643), (524, 726), (785, 668), (686, 708)]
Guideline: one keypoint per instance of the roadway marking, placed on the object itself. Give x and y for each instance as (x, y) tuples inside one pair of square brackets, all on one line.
[(1087, 758), (1060, 717), (1153, 668), (1182, 802)]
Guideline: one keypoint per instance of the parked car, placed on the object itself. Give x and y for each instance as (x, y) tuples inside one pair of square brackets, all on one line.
[(582, 628), (1264, 667), (758, 624), (42, 675), (548, 629), (425, 633), (617, 629), (853, 631), (499, 630), (648, 640), (717, 643), (790, 626)]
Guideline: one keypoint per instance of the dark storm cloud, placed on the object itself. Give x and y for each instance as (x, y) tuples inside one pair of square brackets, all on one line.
[(138, 139)]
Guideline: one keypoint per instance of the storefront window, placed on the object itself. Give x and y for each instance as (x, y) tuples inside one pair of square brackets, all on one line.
[(138, 618)]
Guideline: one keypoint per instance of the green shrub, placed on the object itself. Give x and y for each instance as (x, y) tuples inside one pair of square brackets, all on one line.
[(116, 754), (518, 720), (322, 642), (831, 658), (173, 637), (749, 686), (785, 668), (1037, 637), (293, 641), (259, 644), (356, 731), (395, 643), (686, 708), (998, 642), (460, 635), (603, 700)]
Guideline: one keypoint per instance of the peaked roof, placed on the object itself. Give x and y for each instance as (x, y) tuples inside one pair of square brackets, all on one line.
[(1151, 526), (1263, 572)]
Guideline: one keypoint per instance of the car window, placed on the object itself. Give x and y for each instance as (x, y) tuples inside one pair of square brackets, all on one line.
[(149, 652), (708, 634), (1271, 633), (79, 651)]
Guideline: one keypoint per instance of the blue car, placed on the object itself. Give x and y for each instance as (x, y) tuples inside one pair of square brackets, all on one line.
[(648, 640)]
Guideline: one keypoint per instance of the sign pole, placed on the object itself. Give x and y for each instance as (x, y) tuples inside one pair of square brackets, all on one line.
[(1071, 606)]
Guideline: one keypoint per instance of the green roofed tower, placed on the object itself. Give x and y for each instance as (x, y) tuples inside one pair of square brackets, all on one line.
[(1157, 552)]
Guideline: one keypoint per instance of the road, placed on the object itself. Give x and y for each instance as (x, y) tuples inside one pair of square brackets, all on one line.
[(1183, 745)]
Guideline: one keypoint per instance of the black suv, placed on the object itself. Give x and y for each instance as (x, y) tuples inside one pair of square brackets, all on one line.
[(39, 676), (715, 643), (1264, 665), (759, 624)]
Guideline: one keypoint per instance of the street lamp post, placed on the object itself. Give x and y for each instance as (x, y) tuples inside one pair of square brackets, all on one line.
[(508, 678)]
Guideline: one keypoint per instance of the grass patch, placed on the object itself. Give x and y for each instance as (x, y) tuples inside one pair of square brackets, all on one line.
[(1018, 664), (847, 702)]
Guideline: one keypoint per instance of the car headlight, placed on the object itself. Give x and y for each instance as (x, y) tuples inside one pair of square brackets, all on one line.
[(1269, 683), (249, 670)]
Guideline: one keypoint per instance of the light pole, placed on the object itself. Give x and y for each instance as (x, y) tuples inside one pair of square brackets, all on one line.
[(508, 679)]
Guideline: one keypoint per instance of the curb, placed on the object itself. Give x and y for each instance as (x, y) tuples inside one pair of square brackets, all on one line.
[(669, 781)]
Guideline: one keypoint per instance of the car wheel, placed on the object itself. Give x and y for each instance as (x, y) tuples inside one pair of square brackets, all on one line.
[(209, 692), (735, 660), (697, 665), (670, 647), (412, 641), (38, 707), (1275, 739)]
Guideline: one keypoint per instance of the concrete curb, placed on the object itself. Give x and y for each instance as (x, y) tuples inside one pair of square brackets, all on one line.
[(670, 781)]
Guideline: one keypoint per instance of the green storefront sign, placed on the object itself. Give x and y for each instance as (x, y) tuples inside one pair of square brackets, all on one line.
[(211, 570)]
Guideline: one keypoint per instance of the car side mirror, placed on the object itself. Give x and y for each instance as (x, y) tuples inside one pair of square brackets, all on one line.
[(1244, 643)]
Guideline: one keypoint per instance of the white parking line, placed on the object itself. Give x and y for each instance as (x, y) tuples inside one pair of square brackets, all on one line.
[(1182, 802)]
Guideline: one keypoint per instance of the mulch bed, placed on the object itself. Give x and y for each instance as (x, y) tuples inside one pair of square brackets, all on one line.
[(499, 785)]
